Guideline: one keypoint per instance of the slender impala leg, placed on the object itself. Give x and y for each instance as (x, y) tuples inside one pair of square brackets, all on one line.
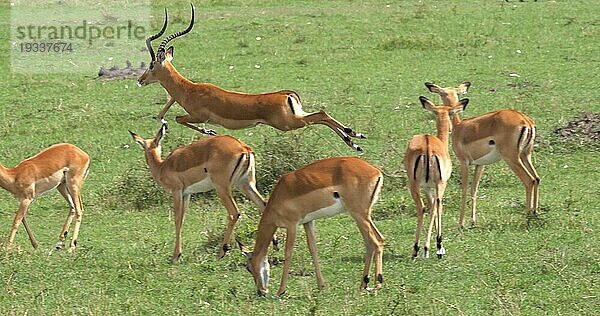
[(76, 196), (186, 120), (290, 240), (179, 214), (312, 247), (224, 193), (21, 213), (432, 201), (441, 251), (322, 117), (248, 185), (252, 193), (464, 185), (526, 160), (73, 183), (166, 108), (373, 241), (63, 234), (529, 181), (378, 254), (343, 132), (477, 174), (414, 191), (32, 239)]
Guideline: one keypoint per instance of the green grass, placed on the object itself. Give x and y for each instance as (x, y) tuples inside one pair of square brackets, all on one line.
[(365, 63)]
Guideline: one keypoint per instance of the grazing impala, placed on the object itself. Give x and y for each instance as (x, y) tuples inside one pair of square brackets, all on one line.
[(428, 166), (321, 189), (218, 162), (207, 103), (61, 166), (506, 134)]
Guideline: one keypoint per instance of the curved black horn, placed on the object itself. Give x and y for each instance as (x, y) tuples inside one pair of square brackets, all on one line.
[(161, 47), (155, 36)]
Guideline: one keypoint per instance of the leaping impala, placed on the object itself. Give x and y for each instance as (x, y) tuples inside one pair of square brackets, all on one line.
[(428, 166), (61, 166), (506, 134), (218, 162), (321, 189), (207, 103)]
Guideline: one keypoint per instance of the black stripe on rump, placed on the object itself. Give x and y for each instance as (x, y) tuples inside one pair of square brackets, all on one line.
[(379, 179), (437, 160), (291, 104), (237, 165), (523, 130), (416, 166), (427, 159)]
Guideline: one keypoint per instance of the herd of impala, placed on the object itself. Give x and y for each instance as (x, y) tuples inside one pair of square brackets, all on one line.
[(321, 189)]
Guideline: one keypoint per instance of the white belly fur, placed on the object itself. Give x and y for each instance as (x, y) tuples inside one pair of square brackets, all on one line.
[(43, 186), (488, 158), (329, 211), (202, 186)]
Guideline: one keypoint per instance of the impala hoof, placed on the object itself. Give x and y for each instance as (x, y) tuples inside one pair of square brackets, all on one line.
[(441, 252), (175, 258), (357, 148), (361, 135), (261, 293), (209, 132), (59, 245)]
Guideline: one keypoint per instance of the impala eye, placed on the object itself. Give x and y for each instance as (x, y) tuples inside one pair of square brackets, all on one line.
[(151, 66)]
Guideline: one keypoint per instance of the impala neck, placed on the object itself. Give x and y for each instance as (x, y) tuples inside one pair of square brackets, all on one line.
[(154, 161), (455, 120), (444, 126), (173, 81), (266, 230), (7, 178), (450, 99)]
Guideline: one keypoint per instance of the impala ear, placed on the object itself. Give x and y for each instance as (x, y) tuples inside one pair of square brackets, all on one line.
[(169, 54), (462, 105), (244, 249), (427, 105), (463, 88), (160, 134), (138, 139), (433, 87)]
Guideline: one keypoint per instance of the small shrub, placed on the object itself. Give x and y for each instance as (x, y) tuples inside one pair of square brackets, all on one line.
[(137, 189), (285, 153)]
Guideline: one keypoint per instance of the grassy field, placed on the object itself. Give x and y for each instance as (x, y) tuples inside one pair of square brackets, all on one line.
[(365, 63)]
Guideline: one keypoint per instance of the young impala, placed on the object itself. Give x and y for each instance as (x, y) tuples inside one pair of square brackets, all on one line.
[(218, 162), (61, 166), (428, 166), (321, 189), (207, 103), (506, 134)]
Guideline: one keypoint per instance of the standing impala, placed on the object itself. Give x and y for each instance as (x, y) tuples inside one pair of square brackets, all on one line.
[(207, 103), (506, 134), (61, 166), (321, 189), (218, 162), (428, 166)]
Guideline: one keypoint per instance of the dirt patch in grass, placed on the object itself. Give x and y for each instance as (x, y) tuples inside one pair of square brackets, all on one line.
[(115, 72), (584, 129)]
